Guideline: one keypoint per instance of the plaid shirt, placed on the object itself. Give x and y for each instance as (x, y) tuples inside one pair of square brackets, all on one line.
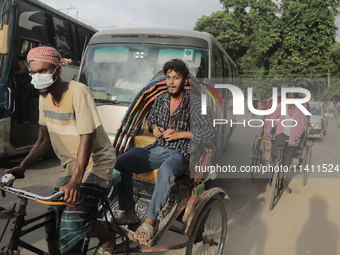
[(202, 128)]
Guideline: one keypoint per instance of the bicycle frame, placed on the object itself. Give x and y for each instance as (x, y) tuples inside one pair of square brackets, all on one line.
[(17, 231), (19, 222)]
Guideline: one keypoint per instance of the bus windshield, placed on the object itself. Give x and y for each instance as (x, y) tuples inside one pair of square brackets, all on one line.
[(117, 72)]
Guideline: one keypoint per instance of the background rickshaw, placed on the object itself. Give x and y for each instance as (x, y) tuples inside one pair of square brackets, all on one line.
[(262, 152), (191, 210)]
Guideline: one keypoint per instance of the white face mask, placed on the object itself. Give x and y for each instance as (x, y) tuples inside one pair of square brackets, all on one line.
[(43, 81)]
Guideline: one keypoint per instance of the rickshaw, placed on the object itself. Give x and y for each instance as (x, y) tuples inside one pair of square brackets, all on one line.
[(191, 210), (262, 152)]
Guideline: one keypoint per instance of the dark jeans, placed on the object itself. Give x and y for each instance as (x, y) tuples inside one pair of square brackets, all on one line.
[(170, 163), (288, 151)]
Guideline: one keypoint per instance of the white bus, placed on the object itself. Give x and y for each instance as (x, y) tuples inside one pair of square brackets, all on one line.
[(118, 63)]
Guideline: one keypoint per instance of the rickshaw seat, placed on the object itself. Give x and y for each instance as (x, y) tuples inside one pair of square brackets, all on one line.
[(143, 141)]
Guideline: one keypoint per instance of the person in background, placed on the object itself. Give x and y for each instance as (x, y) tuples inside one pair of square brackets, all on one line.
[(331, 108), (283, 133)]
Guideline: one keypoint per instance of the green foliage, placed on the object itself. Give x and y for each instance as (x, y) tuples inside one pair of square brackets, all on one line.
[(228, 30), (307, 32), (278, 39)]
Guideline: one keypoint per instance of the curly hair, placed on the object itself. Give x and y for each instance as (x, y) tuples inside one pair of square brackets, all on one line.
[(177, 65)]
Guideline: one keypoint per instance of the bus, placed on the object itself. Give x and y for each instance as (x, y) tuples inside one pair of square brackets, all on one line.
[(26, 24), (118, 63)]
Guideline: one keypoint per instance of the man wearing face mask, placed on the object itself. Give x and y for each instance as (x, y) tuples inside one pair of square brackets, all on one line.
[(70, 123)]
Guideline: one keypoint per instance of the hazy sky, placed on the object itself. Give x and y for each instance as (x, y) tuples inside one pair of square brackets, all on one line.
[(141, 13)]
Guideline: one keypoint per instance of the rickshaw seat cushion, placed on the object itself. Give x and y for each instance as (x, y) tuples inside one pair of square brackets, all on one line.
[(148, 176), (142, 141)]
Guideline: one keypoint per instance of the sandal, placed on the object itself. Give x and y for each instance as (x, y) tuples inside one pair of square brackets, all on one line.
[(104, 251), (123, 220), (147, 228), (287, 189)]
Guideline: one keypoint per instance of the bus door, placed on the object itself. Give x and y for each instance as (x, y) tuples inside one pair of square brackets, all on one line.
[(5, 113), (6, 34), (25, 114), (31, 31)]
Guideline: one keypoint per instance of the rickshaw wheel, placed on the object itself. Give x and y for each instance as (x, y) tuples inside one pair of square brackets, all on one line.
[(275, 186), (305, 162), (256, 158), (209, 234)]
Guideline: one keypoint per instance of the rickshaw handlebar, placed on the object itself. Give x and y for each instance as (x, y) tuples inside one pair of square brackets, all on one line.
[(7, 181), (273, 139), (31, 196)]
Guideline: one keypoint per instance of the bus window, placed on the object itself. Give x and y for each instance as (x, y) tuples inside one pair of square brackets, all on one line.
[(84, 38), (228, 70), (119, 71), (73, 44), (217, 64), (63, 44), (26, 46), (50, 29)]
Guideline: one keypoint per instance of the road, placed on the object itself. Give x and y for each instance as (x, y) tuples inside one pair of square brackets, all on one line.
[(304, 222)]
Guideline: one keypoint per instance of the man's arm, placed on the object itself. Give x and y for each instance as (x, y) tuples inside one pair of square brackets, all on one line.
[(172, 135), (72, 189), (39, 149)]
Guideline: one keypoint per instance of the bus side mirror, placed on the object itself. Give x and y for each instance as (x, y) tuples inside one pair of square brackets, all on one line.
[(4, 40)]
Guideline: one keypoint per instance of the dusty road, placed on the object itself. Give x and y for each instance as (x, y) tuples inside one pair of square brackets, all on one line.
[(304, 222)]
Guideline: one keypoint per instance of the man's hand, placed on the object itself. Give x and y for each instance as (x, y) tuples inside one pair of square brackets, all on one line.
[(71, 192), (297, 139), (16, 170), (267, 135), (171, 135), (157, 131)]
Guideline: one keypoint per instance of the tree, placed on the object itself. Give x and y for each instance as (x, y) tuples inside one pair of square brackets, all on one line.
[(278, 39), (307, 34), (229, 31)]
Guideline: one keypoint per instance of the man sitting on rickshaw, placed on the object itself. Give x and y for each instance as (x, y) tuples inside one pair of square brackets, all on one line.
[(169, 121), (284, 133)]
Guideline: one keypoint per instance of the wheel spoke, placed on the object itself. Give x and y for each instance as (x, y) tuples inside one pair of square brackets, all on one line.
[(209, 235)]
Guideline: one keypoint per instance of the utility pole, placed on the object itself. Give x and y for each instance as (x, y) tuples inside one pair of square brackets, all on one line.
[(329, 78), (71, 8)]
